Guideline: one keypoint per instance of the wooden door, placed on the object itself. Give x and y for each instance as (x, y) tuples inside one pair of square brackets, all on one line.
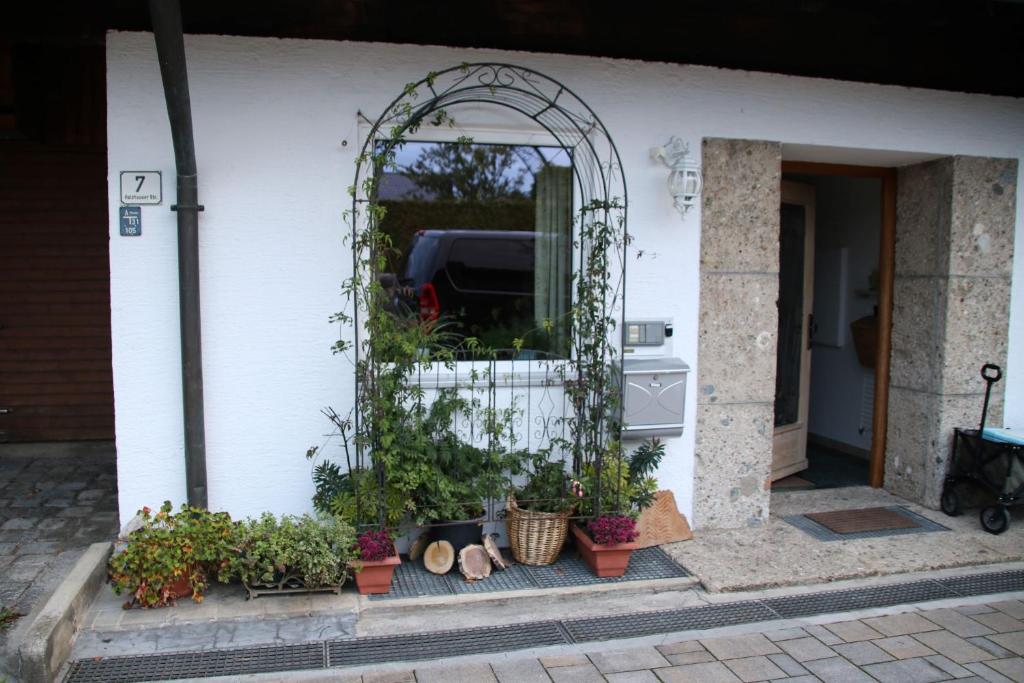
[(795, 303)]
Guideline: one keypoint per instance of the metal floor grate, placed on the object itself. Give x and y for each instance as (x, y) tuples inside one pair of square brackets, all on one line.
[(426, 646), (668, 621), (792, 606), (420, 646), (983, 584), (823, 533), (237, 662), (412, 580)]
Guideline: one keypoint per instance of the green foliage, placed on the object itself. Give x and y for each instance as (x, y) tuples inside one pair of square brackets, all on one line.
[(7, 618), (195, 544), (627, 482), (315, 551), (547, 487)]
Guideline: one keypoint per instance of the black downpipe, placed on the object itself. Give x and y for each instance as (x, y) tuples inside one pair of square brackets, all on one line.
[(170, 48)]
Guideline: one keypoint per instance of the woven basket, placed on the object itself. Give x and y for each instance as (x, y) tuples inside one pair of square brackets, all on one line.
[(536, 538)]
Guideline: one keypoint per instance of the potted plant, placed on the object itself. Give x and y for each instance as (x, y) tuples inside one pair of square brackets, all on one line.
[(172, 556), (607, 543), (295, 554), (376, 562), (537, 516), (624, 488)]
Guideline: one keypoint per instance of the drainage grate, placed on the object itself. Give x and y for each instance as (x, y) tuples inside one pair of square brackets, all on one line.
[(420, 646), (982, 584), (650, 623), (857, 598), (250, 660), (823, 533)]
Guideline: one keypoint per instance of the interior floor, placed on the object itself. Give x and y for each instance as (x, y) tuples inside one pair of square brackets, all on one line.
[(827, 469)]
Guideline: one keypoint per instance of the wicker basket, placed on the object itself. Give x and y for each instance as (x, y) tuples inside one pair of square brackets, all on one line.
[(536, 538)]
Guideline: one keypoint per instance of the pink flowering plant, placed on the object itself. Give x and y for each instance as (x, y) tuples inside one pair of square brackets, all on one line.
[(612, 529), (375, 546)]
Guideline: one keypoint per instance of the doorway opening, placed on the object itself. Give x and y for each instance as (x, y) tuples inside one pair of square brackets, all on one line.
[(834, 298)]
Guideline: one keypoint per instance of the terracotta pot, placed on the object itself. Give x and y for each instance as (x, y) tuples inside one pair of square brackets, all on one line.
[(375, 575), (603, 560)]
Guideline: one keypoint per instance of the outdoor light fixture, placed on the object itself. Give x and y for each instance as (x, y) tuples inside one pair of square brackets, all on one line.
[(684, 179)]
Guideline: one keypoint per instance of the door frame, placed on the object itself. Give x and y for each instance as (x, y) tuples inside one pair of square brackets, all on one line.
[(886, 273)]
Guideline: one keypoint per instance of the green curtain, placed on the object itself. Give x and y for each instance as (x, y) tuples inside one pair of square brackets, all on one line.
[(553, 252)]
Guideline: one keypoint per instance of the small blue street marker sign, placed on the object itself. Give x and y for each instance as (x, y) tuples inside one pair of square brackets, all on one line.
[(131, 221)]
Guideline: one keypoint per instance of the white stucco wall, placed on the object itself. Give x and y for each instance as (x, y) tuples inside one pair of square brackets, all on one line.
[(276, 126)]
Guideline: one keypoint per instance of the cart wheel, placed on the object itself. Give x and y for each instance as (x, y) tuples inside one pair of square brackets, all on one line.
[(995, 519), (950, 501)]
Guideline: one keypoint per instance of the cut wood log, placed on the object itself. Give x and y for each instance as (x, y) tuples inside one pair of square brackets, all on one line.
[(494, 552), (439, 557), (474, 562), (417, 547)]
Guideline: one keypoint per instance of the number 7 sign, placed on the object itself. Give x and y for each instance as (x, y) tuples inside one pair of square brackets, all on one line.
[(141, 187)]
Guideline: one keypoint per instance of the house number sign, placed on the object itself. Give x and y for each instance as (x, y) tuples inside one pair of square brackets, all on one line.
[(141, 187)]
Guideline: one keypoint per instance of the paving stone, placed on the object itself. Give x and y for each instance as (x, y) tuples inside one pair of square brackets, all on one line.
[(581, 673), (563, 660), (51, 523), (710, 672), (735, 647), (1014, 642), (1015, 608), (785, 634), (73, 485), (798, 679), (903, 647), (1012, 668), (750, 669), (464, 673), (8, 548), (40, 548), (837, 670), (806, 649), (520, 671), (77, 511), (20, 523), (633, 659), (11, 591), (990, 675), (852, 631), (954, 647), (788, 664), (691, 658), (995, 650), (1000, 622), (632, 677), (907, 671), (390, 677), (681, 647), (59, 503), (957, 623), (863, 652), (26, 503), (92, 494), (900, 624), (949, 666), (979, 608), (823, 634)]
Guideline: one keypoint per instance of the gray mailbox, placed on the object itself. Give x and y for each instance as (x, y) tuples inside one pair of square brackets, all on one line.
[(654, 396)]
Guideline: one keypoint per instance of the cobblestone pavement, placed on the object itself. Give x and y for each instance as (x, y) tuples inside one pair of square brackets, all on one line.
[(979, 642), (52, 506)]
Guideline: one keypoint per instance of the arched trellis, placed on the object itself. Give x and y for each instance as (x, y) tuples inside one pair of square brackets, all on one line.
[(592, 375)]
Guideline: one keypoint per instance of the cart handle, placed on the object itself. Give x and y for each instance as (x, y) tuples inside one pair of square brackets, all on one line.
[(987, 376)]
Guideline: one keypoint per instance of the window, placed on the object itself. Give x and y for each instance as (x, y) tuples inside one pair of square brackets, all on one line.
[(482, 242)]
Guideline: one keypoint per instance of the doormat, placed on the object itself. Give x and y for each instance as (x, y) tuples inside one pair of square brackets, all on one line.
[(863, 519), (845, 525)]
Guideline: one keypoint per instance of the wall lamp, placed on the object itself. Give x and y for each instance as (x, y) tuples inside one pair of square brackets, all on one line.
[(684, 178)]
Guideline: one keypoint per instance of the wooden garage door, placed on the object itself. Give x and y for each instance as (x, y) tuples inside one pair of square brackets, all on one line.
[(55, 373), (55, 377)]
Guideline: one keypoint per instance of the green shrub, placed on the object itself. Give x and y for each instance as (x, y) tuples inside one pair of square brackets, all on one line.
[(316, 551), (195, 544)]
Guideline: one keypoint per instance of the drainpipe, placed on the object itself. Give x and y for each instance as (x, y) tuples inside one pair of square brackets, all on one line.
[(170, 48)]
